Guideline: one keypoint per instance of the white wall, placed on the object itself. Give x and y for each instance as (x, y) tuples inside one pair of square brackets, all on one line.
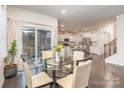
[(106, 33), (118, 58), (32, 17), (3, 42), (120, 34)]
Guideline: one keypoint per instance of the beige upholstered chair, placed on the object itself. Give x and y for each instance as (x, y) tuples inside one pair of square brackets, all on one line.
[(46, 54), (77, 55), (79, 78), (35, 81)]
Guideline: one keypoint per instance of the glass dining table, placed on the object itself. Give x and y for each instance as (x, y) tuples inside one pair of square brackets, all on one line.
[(58, 69)]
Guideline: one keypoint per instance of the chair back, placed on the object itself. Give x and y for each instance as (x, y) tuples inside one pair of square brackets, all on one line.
[(81, 74), (46, 54), (78, 55), (28, 75)]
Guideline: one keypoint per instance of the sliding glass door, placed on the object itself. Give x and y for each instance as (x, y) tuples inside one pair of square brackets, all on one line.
[(28, 39), (43, 43), (34, 42)]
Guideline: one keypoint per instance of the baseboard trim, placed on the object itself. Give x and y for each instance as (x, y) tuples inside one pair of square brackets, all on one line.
[(121, 65)]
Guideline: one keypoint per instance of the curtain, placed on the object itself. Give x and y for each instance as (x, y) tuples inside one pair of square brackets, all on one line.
[(14, 33), (3, 33), (3, 41)]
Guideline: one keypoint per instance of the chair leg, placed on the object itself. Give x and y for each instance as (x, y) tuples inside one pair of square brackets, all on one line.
[(46, 71), (26, 86), (86, 86), (57, 85), (51, 85)]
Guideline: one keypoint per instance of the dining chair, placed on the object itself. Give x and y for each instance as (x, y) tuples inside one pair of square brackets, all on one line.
[(47, 56), (35, 81), (80, 76), (77, 55)]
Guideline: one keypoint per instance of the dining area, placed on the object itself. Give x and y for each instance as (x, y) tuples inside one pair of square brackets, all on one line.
[(59, 71), (39, 50)]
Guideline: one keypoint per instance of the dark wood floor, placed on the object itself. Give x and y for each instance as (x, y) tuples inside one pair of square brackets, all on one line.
[(103, 75)]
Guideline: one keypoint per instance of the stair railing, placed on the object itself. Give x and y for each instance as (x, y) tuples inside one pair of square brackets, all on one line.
[(110, 48)]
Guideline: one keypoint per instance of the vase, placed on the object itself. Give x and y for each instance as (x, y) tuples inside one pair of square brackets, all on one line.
[(57, 58)]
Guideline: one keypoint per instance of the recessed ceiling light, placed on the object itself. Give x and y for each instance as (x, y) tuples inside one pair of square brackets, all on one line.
[(62, 25), (63, 29), (63, 11)]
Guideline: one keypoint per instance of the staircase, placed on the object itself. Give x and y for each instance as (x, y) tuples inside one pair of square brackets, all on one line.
[(110, 48)]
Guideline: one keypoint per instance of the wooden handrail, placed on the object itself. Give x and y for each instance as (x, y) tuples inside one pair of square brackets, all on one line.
[(110, 44), (78, 61)]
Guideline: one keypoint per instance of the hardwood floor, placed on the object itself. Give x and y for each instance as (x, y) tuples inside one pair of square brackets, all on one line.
[(103, 75)]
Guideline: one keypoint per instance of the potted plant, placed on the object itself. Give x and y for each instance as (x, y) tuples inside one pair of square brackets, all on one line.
[(10, 69), (57, 50)]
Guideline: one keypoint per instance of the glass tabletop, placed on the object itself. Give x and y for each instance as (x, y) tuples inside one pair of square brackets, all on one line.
[(52, 64)]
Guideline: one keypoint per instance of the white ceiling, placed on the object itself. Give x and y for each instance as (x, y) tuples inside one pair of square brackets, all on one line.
[(77, 17)]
